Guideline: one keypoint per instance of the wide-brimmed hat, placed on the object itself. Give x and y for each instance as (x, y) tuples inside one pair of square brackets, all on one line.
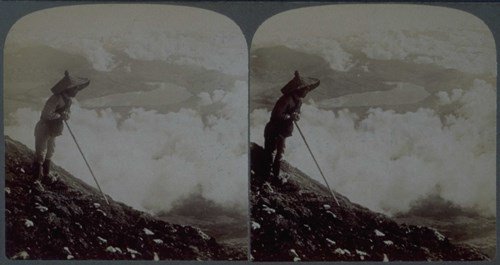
[(300, 83), (68, 82)]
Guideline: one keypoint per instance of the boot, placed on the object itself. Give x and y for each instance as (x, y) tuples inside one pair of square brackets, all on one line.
[(46, 168), (37, 170), (276, 168)]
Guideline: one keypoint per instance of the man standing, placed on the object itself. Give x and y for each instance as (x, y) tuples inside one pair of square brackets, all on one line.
[(280, 126), (50, 125)]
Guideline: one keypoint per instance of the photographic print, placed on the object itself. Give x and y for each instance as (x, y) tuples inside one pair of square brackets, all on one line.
[(373, 135), (126, 134)]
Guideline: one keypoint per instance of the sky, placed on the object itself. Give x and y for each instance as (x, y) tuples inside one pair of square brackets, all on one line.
[(335, 21)]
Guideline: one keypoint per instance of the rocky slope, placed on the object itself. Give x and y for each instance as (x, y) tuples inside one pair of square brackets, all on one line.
[(294, 218), (64, 218)]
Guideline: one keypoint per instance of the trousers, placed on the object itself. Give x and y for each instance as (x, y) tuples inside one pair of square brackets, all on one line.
[(274, 145), (44, 143)]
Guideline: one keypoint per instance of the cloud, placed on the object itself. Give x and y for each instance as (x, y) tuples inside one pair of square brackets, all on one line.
[(470, 51), (388, 160), (148, 159)]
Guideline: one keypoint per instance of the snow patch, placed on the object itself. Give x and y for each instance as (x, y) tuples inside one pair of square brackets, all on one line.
[(148, 232), (97, 205), (41, 208), (66, 249), (7, 190), (386, 259), (361, 254), (133, 252), (388, 242), (327, 207), (28, 223), (378, 233), (331, 242), (102, 212), (342, 251), (102, 240), (22, 170), (114, 249), (255, 225), (268, 187), (268, 210), (295, 255), (202, 234), (22, 255), (439, 236), (332, 214), (156, 257), (158, 241)]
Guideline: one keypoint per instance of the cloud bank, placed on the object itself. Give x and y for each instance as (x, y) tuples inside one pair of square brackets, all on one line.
[(148, 160), (387, 160)]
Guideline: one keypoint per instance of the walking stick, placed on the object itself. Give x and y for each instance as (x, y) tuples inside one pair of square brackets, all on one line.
[(87, 163), (320, 171)]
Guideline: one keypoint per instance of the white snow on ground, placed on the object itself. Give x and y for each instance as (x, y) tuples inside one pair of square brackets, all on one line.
[(156, 257), (22, 170), (388, 242), (114, 249), (28, 223), (133, 252), (378, 233), (102, 240), (330, 241), (342, 251), (69, 256), (327, 207), (386, 259), (66, 249), (97, 205), (202, 234), (22, 255), (332, 214), (102, 212), (7, 190), (439, 236), (255, 225), (295, 255), (267, 186), (41, 208), (267, 209), (361, 254), (148, 232), (158, 241)]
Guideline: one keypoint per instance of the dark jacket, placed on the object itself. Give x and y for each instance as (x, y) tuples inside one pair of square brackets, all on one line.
[(281, 122)]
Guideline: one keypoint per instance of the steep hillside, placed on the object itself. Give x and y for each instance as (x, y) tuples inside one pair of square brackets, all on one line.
[(294, 218), (64, 218)]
